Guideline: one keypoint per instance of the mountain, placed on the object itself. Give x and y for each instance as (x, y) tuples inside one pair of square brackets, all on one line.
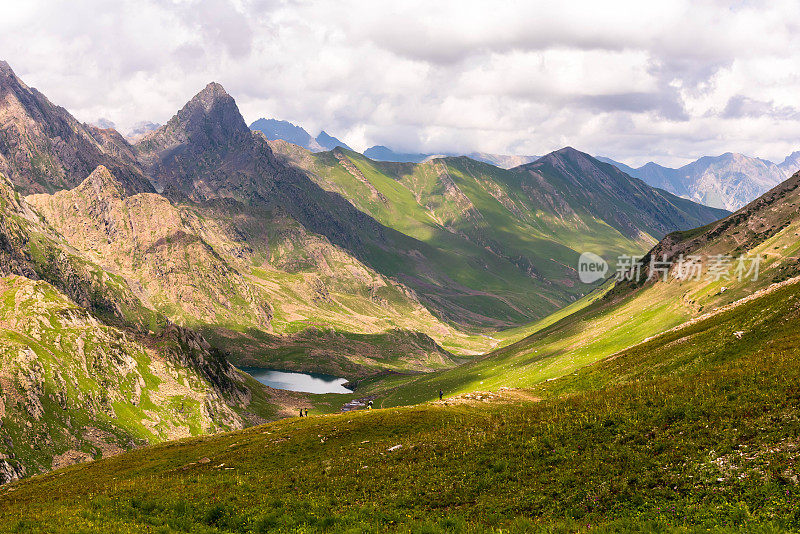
[(139, 130), (248, 284), (286, 131), (104, 124), (627, 204), (382, 153), (728, 181), (260, 252), (329, 143), (528, 218), (122, 311), (276, 129), (687, 431), (86, 368), (630, 171), (44, 149), (206, 154), (628, 313), (791, 164)]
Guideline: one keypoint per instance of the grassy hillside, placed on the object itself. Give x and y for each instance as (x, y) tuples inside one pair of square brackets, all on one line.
[(694, 430), (74, 389), (474, 211), (615, 318), (503, 238)]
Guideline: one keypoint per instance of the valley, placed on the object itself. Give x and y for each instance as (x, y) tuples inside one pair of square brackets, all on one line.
[(139, 281)]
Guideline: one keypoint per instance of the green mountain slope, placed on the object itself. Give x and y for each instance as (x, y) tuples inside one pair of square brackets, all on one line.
[(75, 389), (536, 218), (616, 318), (87, 370), (694, 430), (479, 246)]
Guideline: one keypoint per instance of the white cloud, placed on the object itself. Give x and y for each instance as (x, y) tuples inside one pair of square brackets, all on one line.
[(668, 81)]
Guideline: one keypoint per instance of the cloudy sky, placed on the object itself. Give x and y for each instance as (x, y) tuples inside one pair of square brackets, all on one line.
[(637, 81)]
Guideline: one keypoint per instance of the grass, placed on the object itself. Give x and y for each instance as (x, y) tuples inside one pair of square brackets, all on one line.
[(62, 374), (487, 234), (605, 322), (695, 430)]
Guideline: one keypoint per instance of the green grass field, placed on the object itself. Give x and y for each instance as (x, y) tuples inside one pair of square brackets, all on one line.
[(696, 429)]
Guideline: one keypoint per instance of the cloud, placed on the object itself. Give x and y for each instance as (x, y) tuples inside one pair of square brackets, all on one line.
[(637, 81), (741, 106)]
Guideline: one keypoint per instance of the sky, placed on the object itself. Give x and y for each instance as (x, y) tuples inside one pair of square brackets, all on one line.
[(636, 81)]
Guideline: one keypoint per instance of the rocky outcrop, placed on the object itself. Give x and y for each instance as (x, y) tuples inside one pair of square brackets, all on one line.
[(156, 247)]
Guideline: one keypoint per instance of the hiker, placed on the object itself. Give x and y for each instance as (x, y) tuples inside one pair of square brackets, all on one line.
[(441, 394), (369, 405), (301, 412), (306, 412)]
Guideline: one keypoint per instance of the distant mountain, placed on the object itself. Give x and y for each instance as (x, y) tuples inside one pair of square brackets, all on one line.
[(791, 164), (104, 124), (728, 181), (277, 129), (45, 149), (140, 129), (504, 161), (630, 171), (286, 131), (329, 142)]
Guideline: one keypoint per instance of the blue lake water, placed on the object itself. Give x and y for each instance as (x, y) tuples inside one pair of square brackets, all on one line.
[(306, 382)]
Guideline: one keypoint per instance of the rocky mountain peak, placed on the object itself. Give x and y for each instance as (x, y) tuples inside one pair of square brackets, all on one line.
[(209, 120), (102, 181), (562, 155), (212, 94), (568, 153)]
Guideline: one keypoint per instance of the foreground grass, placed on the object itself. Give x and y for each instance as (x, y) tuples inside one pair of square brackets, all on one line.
[(698, 429)]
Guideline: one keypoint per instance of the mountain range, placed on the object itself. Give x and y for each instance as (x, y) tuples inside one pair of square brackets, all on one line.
[(277, 129), (728, 181), (650, 405), (136, 279), (135, 275), (274, 129)]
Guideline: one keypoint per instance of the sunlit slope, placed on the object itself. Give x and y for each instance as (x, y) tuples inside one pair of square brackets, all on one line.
[(693, 430), (630, 313), (508, 234)]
